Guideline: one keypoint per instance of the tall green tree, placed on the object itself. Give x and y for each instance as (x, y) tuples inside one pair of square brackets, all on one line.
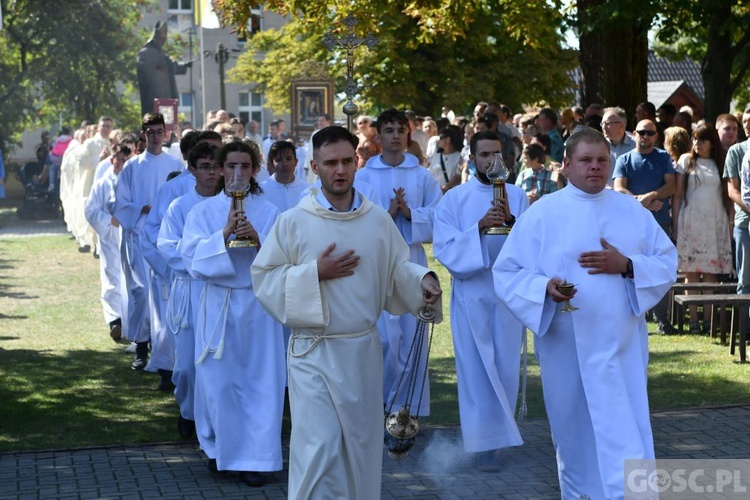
[(430, 53), (717, 34), (613, 51), (72, 60)]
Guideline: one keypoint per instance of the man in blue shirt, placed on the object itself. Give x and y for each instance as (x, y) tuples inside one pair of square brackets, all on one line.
[(647, 174)]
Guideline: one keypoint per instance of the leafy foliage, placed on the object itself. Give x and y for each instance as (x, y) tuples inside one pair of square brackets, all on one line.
[(715, 33), (67, 62), (429, 55)]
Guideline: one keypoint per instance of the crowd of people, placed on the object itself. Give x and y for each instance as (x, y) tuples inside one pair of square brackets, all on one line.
[(314, 282)]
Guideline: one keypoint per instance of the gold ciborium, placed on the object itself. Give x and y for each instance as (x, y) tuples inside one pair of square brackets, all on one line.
[(498, 173), (238, 188), (566, 289)]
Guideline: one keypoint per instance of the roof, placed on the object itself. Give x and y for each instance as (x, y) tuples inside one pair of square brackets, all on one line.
[(673, 74), (660, 92)]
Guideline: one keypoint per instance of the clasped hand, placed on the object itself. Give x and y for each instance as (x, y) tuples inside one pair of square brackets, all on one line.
[(431, 291), (399, 204), (496, 216), (238, 224)]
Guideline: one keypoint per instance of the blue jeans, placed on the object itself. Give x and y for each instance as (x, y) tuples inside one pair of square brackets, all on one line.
[(742, 248)]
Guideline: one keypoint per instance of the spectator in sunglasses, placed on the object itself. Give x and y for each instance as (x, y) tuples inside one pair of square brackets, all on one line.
[(647, 174)]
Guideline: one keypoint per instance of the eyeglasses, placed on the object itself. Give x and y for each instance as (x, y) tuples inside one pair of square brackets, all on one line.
[(209, 168), (649, 133), (609, 124), (154, 133)]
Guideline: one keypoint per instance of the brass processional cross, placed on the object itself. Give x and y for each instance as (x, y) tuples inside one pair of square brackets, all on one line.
[(349, 42)]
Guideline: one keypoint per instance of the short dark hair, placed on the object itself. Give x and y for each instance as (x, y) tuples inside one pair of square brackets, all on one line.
[(278, 147), (235, 121), (392, 115), (583, 134), (484, 135), (188, 142), (209, 135), (201, 151), (130, 138), (545, 140), (331, 135), (669, 109), (535, 152), (649, 107), (551, 115), (121, 148), (455, 135), (152, 119), (489, 119)]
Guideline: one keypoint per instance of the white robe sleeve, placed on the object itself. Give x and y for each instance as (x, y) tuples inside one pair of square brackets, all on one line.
[(127, 211), (204, 251), (654, 271), (151, 234), (420, 228), (96, 210), (405, 286), (170, 238), (518, 283), (463, 253), (289, 291)]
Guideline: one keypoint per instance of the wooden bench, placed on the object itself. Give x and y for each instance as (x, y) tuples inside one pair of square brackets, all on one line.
[(677, 314), (740, 303)]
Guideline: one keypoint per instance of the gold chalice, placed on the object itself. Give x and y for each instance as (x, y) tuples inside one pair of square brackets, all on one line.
[(566, 289), (239, 189)]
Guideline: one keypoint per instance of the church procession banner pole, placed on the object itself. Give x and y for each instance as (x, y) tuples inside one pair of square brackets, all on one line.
[(349, 42)]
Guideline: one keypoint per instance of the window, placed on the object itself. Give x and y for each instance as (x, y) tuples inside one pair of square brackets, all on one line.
[(185, 107), (181, 6), (254, 26), (251, 108)]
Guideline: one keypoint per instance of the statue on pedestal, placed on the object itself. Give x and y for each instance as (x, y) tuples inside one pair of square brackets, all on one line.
[(156, 70)]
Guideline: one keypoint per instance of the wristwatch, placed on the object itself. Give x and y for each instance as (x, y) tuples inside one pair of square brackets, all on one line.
[(628, 270)]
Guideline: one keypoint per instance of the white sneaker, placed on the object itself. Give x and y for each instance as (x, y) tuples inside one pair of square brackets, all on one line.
[(130, 349)]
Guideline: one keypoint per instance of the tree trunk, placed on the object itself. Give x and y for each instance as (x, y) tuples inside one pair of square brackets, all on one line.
[(614, 63), (716, 68)]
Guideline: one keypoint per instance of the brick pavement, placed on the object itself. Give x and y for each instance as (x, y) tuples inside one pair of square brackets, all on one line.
[(437, 468)]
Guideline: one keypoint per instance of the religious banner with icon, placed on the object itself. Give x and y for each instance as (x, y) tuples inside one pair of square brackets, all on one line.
[(168, 109), (310, 99)]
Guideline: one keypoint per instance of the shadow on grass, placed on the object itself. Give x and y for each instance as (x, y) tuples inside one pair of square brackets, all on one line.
[(79, 398)]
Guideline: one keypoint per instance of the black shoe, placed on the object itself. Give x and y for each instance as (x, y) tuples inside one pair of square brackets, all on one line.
[(96, 255), (115, 331), (141, 356), (665, 329), (488, 461), (251, 478), (214, 468), (84, 249), (165, 384), (185, 427)]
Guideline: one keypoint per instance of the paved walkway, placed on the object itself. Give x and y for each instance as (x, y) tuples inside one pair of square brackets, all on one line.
[(437, 468)]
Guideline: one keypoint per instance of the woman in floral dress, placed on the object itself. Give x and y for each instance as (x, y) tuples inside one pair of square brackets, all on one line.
[(701, 215)]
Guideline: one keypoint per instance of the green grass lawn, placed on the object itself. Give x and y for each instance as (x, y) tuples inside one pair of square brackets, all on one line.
[(64, 383)]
